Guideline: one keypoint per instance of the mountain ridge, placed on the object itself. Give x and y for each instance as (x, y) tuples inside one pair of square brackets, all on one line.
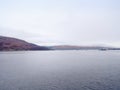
[(14, 44), (75, 47)]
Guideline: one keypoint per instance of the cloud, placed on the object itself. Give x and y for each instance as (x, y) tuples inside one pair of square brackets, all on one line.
[(63, 22)]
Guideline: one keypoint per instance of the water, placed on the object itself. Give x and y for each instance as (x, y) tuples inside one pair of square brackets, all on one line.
[(60, 70)]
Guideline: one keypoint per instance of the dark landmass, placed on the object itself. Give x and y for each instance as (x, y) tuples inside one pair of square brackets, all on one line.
[(13, 44), (70, 47)]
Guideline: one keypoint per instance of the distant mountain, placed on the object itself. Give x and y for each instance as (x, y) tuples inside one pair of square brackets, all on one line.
[(13, 44), (70, 47)]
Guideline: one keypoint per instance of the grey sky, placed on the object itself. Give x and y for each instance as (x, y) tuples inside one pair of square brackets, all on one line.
[(50, 22)]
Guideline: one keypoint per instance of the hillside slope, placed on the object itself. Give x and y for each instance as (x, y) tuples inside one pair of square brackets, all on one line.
[(13, 44)]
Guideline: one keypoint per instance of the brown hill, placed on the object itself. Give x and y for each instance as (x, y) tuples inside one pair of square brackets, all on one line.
[(13, 44)]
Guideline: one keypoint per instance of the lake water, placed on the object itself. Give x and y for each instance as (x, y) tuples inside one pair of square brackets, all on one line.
[(60, 70)]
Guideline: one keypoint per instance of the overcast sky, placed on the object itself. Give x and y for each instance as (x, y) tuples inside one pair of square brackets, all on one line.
[(51, 22)]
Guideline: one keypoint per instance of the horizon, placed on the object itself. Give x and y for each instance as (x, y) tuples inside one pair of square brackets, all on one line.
[(78, 22), (88, 45)]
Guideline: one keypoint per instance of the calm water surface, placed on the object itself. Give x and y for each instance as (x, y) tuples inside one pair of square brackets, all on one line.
[(60, 70)]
